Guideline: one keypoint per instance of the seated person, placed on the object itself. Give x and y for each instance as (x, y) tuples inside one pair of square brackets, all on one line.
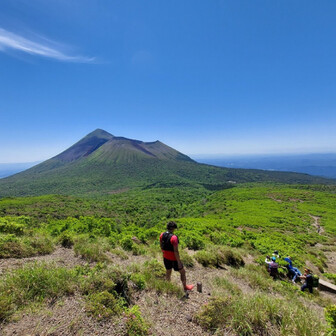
[(308, 277), (272, 267)]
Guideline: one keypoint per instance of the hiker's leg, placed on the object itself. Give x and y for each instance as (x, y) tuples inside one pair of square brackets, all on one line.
[(296, 270), (168, 274), (295, 276), (303, 287), (183, 277)]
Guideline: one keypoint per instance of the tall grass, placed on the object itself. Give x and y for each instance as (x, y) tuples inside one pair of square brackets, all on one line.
[(259, 314), (34, 283)]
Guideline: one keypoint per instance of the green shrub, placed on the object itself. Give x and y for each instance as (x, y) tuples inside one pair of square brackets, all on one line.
[(99, 278), (186, 259), (25, 246), (194, 241), (127, 243), (135, 324), (330, 313), (90, 250), (206, 258), (216, 256), (331, 276), (139, 280), (66, 239), (11, 227), (138, 250), (13, 247), (104, 305), (154, 269), (41, 243)]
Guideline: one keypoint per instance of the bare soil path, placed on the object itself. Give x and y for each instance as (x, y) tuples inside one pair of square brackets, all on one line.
[(316, 224), (62, 256)]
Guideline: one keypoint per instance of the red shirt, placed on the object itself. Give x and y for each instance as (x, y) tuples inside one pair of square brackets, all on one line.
[(170, 255)]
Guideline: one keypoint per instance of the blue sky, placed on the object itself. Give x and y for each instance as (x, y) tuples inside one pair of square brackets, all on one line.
[(205, 77)]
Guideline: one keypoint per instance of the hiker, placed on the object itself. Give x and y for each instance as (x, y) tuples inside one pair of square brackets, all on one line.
[(272, 267), (293, 271), (171, 258), (308, 277)]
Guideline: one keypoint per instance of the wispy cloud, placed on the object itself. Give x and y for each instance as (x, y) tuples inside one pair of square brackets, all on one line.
[(45, 48)]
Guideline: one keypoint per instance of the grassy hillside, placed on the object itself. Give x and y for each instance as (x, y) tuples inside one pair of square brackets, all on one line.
[(99, 177), (115, 271)]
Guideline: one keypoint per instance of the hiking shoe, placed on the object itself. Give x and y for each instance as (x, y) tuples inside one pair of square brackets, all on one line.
[(188, 287)]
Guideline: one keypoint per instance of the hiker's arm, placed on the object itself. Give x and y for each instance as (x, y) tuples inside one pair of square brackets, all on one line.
[(177, 256)]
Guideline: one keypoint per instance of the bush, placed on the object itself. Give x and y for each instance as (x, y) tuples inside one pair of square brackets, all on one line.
[(13, 247), (135, 324), (91, 251), (41, 243), (219, 255), (10, 226), (104, 305), (154, 269), (66, 240), (127, 243), (206, 258), (186, 259), (194, 241), (23, 247), (139, 280), (330, 313), (138, 250)]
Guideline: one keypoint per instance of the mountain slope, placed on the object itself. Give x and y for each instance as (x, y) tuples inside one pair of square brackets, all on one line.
[(101, 163)]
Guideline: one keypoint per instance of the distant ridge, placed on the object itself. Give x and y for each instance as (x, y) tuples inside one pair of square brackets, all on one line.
[(101, 163)]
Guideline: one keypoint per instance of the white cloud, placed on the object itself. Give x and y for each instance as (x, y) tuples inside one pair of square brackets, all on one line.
[(47, 48)]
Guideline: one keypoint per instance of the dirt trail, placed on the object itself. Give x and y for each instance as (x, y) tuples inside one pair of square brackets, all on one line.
[(316, 224), (61, 256), (66, 317)]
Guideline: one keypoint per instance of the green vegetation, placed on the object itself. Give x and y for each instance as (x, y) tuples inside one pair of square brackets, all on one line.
[(218, 256), (222, 228), (135, 324), (34, 283), (259, 314), (331, 319)]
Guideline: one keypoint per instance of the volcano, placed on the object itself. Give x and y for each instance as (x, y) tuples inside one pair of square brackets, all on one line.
[(101, 163)]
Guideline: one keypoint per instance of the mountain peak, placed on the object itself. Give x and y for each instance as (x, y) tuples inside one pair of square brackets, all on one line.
[(85, 146), (100, 133)]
